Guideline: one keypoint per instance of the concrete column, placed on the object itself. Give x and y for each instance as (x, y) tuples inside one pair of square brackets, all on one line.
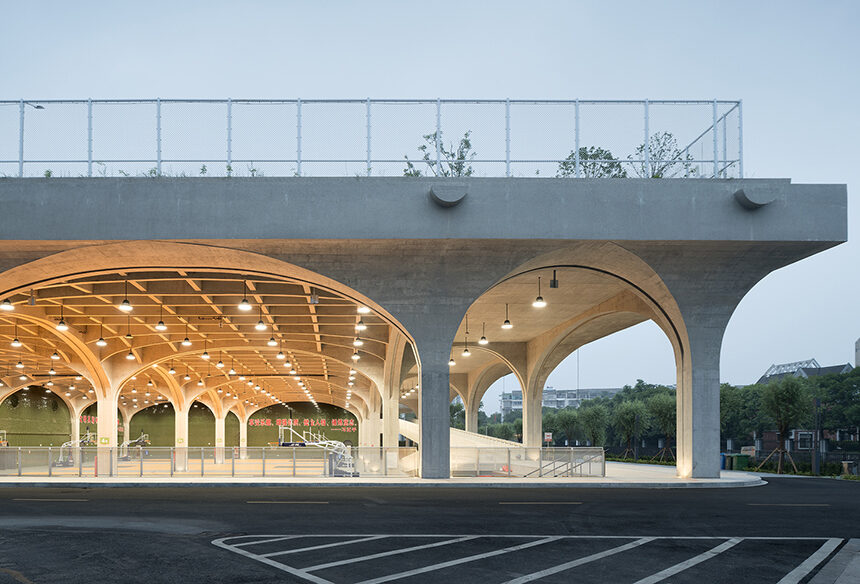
[(219, 439), (698, 397), (472, 414), (391, 419), (533, 419), (107, 435), (75, 435), (180, 440), (434, 416), (243, 439), (126, 427)]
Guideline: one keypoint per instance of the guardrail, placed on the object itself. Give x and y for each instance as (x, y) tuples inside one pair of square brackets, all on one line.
[(290, 462), (371, 137)]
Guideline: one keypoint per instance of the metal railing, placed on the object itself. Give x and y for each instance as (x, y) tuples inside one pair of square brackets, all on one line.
[(365, 137), (290, 462)]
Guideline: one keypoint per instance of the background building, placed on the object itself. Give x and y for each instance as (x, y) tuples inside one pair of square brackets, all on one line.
[(555, 398)]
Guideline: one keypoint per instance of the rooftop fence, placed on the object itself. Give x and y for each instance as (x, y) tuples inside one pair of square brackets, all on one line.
[(371, 137)]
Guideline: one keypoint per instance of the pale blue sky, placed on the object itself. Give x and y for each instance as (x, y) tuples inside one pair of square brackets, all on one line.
[(793, 63)]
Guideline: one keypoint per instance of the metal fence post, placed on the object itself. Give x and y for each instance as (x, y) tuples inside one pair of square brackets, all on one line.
[(298, 137), (110, 466), (264, 461), (233, 462), (294, 461), (21, 139), (509, 462), (49, 461), (89, 137), (576, 137), (80, 461), (477, 462), (158, 135), (202, 460), (508, 137), (725, 149), (19, 461), (438, 134), (540, 462), (140, 454), (570, 473), (368, 136), (716, 155), (229, 133), (740, 139), (172, 460), (647, 143)]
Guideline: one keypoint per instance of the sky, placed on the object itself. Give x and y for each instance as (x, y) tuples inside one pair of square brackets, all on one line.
[(794, 64)]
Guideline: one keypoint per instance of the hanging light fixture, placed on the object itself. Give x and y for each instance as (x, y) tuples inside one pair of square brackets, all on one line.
[(232, 371), (244, 305), (281, 350), (483, 340), (355, 356), (220, 363), (171, 371), (101, 342), (20, 365), (62, 326), (186, 342), (186, 377), (205, 355), (15, 342), (362, 309), (7, 305), (161, 326), (466, 351), (130, 355), (539, 301), (55, 356), (125, 305), (357, 342), (52, 371), (272, 342), (507, 324), (199, 383), (261, 326), (360, 326), (451, 362)]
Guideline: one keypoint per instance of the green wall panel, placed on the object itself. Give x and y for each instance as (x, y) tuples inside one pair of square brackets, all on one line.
[(157, 421), (35, 417), (263, 425)]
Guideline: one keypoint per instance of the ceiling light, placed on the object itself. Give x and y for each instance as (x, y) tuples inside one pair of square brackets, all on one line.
[(20, 365), (220, 390), (352, 371), (50, 384), (507, 324), (199, 382), (539, 301), (7, 305), (186, 342), (205, 356), (133, 390), (350, 383), (466, 352), (171, 371), (241, 378), (355, 356), (161, 326), (260, 326), (219, 365), (483, 340), (360, 326), (149, 383), (62, 326), (363, 309), (231, 372), (451, 362), (52, 371), (292, 371), (281, 355), (244, 305), (79, 377), (101, 342), (272, 342), (16, 343), (23, 377), (186, 377), (130, 355), (352, 377)]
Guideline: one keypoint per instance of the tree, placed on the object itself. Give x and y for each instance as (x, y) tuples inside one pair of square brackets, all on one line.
[(594, 420), (629, 419), (665, 159), (458, 414), (661, 409), (568, 422), (594, 162), (452, 162), (787, 402)]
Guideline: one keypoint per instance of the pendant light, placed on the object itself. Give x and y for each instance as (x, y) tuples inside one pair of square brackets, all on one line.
[(507, 324), (232, 371), (272, 342), (205, 355), (483, 340), (539, 301), (15, 342), (161, 326), (52, 371), (362, 309), (7, 305), (101, 342), (186, 377), (355, 356), (62, 326), (466, 351), (220, 363), (19, 365), (357, 342), (130, 355), (451, 362), (244, 305), (128, 335), (171, 371), (360, 326), (55, 356), (125, 305), (261, 326), (186, 342), (281, 351)]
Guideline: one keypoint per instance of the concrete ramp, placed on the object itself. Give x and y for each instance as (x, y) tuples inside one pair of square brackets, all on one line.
[(459, 438)]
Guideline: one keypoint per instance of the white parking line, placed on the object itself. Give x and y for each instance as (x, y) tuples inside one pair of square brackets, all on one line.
[(320, 547), (579, 562), (680, 567), (811, 562), (540, 502), (283, 567), (52, 500), (459, 561), (287, 502), (256, 541), (390, 553)]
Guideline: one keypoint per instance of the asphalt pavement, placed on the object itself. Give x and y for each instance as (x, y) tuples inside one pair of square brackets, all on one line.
[(786, 531)]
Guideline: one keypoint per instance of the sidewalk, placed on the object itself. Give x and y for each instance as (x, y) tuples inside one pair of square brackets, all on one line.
[(618, 475)]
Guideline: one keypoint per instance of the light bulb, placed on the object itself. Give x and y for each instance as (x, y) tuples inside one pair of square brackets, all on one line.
[(244, 306), (55, 356), (200, 383), (101, 342), (171, 371), (507, 324), (205, 355), (186, 342), (539, 302), (483, 341), (20, 365), (261, 326), (186, 377), (23, 377), (357, 342), (355, 357), (231, 372), (7, 305), (281, 355), (62, 326), (272, 342), (130, 356), (16, 343), (219, 364), (52, 371), (161, 326), (125, 305), (466, 352), (451, 363), (360, 326)]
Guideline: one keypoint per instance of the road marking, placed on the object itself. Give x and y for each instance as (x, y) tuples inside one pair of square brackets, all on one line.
[(390, 553), (680, 567), (580, 561), (811, 562), (283, 567), (320, 547), (465, 560), (789, 504), (52, 500), (540, 502), (256, 541), (287, 502), (18, 576)]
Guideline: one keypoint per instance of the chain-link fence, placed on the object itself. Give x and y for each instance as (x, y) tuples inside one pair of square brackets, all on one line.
[(372, 137)]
